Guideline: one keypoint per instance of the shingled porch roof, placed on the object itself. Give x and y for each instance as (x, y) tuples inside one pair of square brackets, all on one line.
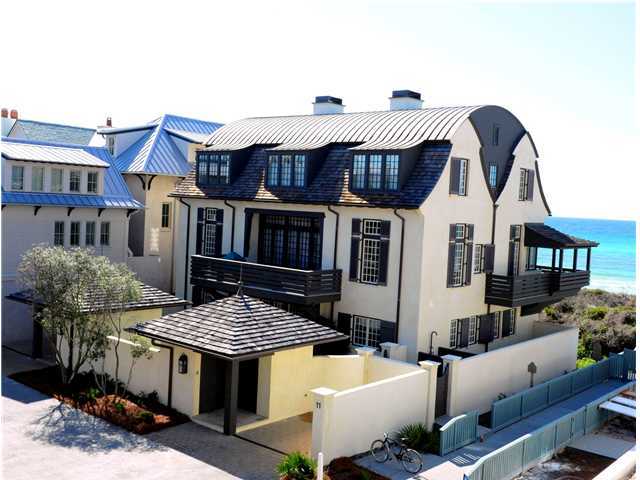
[(237, 327)]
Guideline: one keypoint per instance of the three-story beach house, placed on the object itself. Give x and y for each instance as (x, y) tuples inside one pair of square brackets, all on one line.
[(415, 228)]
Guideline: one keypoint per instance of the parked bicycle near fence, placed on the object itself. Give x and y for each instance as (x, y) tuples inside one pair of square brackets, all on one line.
[(387, 448)]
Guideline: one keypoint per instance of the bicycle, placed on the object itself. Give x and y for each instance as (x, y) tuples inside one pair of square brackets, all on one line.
[(382, 450)]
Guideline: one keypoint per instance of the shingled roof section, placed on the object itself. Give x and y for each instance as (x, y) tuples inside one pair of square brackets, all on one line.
[(544, 236), (151, 297), (330, 184), (235, 327)]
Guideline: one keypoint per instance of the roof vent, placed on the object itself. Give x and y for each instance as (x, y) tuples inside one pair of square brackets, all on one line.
[(405, 100), (326, 104)]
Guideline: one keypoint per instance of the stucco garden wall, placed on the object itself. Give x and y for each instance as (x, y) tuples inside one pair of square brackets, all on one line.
[(475, 382)]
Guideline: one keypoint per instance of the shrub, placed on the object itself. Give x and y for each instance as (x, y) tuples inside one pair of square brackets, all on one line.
[(584, 362), (296, 466), (147, 417), (551, 313), (415, 435), (119, 407), (596, 313)]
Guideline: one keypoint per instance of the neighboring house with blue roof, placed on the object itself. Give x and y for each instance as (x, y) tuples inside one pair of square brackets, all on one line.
[(58, 194), (47, 132), (152, 159)]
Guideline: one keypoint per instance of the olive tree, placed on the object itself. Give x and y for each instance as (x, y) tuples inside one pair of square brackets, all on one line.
[(81, 298)]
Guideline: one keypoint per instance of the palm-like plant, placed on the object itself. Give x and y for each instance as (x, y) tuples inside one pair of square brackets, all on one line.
[(296, 466)]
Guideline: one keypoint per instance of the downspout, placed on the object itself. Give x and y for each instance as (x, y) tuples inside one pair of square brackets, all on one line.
[(397, 332), (233, 224), (186, 248), (170, 379), (493, 242), (335, 248)]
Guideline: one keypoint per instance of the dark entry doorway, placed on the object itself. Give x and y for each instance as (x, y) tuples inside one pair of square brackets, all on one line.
[(248, 385), (213, 384)]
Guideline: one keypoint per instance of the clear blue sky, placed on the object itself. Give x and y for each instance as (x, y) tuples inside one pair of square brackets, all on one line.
[(565, 69)]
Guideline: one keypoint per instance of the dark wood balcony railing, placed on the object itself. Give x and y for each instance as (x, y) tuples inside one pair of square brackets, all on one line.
[(542, 285), (267, 281)]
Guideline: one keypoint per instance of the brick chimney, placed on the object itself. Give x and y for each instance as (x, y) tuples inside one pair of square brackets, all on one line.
[(8, 120)]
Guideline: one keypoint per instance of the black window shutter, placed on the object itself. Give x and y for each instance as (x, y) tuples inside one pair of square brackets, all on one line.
[(531, 176), (385, 231), (469, 253), (219, 225), (463, 327), (506, 323), (512, 247), (454, 179), (344, 323), (248, 219), (355, 249), (199, 230), (387, 331), (486, 329), (452, 246), (489, 256)]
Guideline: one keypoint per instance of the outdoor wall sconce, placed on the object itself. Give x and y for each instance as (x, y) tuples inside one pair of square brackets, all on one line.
[(183, 363)]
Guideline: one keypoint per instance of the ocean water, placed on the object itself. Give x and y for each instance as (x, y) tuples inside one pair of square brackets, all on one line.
[(613, 263)]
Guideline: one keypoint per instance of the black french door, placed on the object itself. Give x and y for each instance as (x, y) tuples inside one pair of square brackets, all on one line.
[(290, 241)]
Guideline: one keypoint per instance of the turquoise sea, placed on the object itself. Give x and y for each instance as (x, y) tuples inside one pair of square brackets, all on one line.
[(613, 263)]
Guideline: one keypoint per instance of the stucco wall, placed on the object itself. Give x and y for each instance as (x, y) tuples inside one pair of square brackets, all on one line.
[(475, 382)]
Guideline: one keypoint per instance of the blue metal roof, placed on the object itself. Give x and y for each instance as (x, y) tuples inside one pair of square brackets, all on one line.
[(116, 194), (48, 154), (51, 132), (157, 153)]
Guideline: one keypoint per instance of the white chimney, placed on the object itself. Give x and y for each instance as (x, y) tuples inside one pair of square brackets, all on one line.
[(326, 105), (405, 100), (8, 120)]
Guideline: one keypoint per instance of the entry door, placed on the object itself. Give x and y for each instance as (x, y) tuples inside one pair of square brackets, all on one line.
[(212, 384), (514, 250), (248, 385)]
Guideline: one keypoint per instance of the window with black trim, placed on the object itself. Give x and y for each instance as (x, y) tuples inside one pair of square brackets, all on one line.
[(525, 188), (213, 168), (165, 217), (366, 331), (478, 258), (495, 135), (92, 182), (286, 170), (209, 232), (532, 258), (515, 236), (493, 175), (74, 180), (459, 176), (464, 332), (58, 234), (375, 172), (74, 234), (105, 233), (460, 256), (508, 322), (369, 250), (90, 234)]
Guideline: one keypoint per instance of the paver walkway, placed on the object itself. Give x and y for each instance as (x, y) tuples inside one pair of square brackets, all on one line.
[(44, 439), (453, 466)]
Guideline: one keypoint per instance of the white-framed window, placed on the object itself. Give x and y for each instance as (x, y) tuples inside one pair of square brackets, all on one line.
[(496, 324), (493, 175), (299, 171), (74, 180), (453, 334), (285, 171), (514, 249), (57, 184), (272, 176), (375, 172), (58, 233), (524, 184), (17, 177), (111, 143), (92, 182), (478, 258), (458, 264), (473, 330), (358, 172), (392, 166), (37, 179), (165, 220), (462, 186), (105, 233), (90, 234), (365, 331), (74, 234), (370, 268)]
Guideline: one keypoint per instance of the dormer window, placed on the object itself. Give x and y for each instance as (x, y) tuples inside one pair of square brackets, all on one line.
[(375, 172), (213, 168), (286, 170)]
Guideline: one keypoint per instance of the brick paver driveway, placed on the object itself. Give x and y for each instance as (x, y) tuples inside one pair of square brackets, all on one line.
[(44, 439)]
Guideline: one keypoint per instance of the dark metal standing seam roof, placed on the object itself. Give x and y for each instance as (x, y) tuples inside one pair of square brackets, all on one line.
[(544, 236), (151, 297), (235, 327)]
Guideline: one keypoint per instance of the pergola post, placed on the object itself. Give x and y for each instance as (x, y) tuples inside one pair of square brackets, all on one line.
[(588, 259), (561, 262), (553, 259), (231, 396), (575, 259)]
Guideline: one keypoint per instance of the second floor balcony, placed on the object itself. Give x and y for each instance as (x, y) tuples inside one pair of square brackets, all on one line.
[(272, 282)]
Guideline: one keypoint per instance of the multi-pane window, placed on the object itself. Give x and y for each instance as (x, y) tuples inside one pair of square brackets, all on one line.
[(74, 234), (285, 171), (495, 135), (514, 250), (272, 175), (370, 251), (524, 184), (493, 175), (17, 177), (209, 239), (56, 180), (375, 172), (496, 318), (478, 258), (460, 257), (213, 168), (58, 233), (223, 176), (532, 258), (209, 232), (299, 171), (165, 219), (105, 231), (90, 233), (474, 325), (462, 185), (453, 334), (92, 182), (74, 180), (290, 241), (37, 179), (464, 332), (459, 174), (508, 322), (365, 331)]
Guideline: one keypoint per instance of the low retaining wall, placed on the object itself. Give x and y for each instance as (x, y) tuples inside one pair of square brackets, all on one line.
[(475, 382)]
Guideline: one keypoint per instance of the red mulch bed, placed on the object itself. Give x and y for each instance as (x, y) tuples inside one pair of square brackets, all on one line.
[(132, 413), (344, 468)]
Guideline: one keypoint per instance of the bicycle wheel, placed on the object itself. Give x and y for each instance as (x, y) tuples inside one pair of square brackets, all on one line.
[(379, 451), (411, 461)]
